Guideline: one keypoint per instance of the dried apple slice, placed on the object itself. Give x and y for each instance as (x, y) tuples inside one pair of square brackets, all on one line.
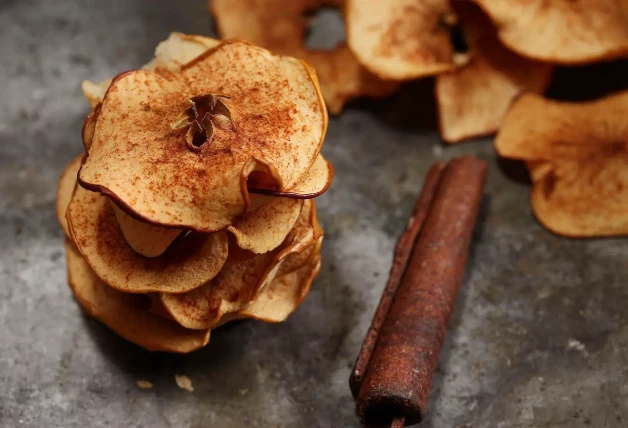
[(170, 55), (562, 31), (281, 26), (401, 39), (283, 295), (95, 92), (67, 184), (89, 126), (242, 279), (266, 227), (149, 169), (578, 160), (473, 98), (232, 289), (144, 238), (127, 314), (178, 50), (187, 264), (315, 183)]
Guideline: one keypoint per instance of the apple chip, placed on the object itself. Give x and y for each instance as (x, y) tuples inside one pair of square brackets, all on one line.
[(127, 314), (232, 289), (67, 184), (473, 98), (89, 126), (266, 227), (401, 39), (178, 50), (173, 149), (315, 183), (280, 26), (144, 238), (578, 160), (562, 31), (188, 263), (283, 295), (170, 55), (241, 279)]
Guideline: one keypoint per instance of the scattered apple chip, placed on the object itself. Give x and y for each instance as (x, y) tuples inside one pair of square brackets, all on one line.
[(401, 39), (266, 227), (562, 31), (281, 25), (473, 98), (187, 264), (242, 104), (241, 280), (578, 160), (67, 184), (128, 314)]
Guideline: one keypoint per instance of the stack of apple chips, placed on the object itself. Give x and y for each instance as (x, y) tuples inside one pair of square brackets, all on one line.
[(192, 204)]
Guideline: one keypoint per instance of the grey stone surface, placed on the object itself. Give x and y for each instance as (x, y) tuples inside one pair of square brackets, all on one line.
[(539, 337)]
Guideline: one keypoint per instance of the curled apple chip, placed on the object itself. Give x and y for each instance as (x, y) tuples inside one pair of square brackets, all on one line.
[(578, 160), (281, 26), (172, 149), (144, 238), (474, 97), (283, 295), (266, 227), (127, 314), (65, 190), (401, 39), (187, 264), (316, 181), (562, 31), (241, 279), (228, 292)]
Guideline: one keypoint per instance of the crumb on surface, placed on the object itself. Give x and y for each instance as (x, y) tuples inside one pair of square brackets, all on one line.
[(144, 384), (184, 382)]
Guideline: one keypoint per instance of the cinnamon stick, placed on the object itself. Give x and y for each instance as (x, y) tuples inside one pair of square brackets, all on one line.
[(403, 249), (394, 387)]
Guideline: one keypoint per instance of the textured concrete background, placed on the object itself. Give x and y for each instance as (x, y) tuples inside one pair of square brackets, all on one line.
[(539, 337)]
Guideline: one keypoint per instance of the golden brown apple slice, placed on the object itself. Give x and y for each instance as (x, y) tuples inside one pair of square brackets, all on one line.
[(65, 190), (281, 26), (401, 39), (228, 292), (148, 169), (266, 227), (127, 314), (283, 295), (474, 97), (315, 183), (562, 31), (241, 279), (578, 159), (144, 238), (187, 264)]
